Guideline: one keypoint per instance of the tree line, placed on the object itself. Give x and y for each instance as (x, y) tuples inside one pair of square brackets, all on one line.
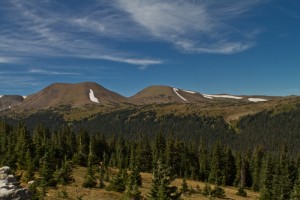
[(51, 154)]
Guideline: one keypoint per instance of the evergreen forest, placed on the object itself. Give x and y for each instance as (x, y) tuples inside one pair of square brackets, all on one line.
[(259, 152)]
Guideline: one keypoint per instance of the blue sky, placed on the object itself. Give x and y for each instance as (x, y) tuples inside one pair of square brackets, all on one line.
[(210, 46)]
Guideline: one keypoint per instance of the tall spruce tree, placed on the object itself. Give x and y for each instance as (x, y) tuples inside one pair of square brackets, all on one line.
[(204, 164), (161, 189), (64, 174), (47, 171), (296, 189), (29, 174), (217, 165), (118, 182), (90, 178), (229, 168), (133, 184), (267, 179), (282, 181), (257, 168)]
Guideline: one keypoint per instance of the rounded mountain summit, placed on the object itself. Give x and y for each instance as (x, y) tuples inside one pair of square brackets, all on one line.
[(75, 95)]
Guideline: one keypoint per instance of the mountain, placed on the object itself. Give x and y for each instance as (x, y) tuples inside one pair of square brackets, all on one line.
[(8, 101), (165, 94), (74, 95), (91, 98)]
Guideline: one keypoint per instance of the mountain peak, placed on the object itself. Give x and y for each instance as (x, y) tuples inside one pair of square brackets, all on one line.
[(166, 94), (74, 94)]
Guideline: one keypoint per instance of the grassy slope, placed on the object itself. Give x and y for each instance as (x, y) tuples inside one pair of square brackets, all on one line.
[(75, 189), (230, 110)]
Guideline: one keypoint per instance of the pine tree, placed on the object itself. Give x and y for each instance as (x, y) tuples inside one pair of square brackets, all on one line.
[(172, 156), (184, 186), (47, 171), (90, 179), (83, 142), (257, 167), (121, 153), (218, 192), (144, 156), (161, 188), (217, 165), (29, 174), (207, 190), (34, 191), (241, 192), (229, 168), (133, 184), (267, 179), (23, 144), (118, 182), (282, 181), (64, 175), (296, 190), (204, 165), (101, 175), (158, 148)]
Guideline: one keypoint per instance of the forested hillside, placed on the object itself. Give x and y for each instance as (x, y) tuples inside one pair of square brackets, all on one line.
[(260, 151), (51, 153)]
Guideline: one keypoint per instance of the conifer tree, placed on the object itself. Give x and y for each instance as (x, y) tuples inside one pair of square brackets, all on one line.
[(257, 168), (158, 148), (64, 175), (204, 165), (23, 144), (47, 171), (184, 186), (207, 190), (229, 168), (121, 153), (217, 165), (144, 155), (133, 184), (296, 189), (267, 179), (172, 156), (282, 181), (101, 175), (161, 188), (90, 179), (29, 174), (118, 182)]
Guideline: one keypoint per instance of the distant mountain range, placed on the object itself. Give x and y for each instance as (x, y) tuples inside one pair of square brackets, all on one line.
[(93, 97)]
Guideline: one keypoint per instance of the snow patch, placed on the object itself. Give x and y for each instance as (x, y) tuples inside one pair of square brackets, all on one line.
[(9, 107), (1, 96), (176, 92), (257, 100), (92, 97), (210, 96), (24, 97), (188, 91)]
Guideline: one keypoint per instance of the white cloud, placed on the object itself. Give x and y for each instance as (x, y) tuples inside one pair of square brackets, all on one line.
[(6, 60), (193, 26), (35, 29), (48, 72)]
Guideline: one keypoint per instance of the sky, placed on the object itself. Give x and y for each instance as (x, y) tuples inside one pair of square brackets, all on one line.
[(209, 46)]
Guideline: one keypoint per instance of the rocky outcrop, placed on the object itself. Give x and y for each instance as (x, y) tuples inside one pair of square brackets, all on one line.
[(9, 101), (10, 189)]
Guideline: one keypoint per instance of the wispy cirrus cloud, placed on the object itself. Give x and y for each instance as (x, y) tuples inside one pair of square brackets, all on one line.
[(48, 72), (35, 29), (7, 60), (194, 26), (54, 29)]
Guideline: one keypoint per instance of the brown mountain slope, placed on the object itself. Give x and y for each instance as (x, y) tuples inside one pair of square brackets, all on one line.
[(75, 95), (165, 94)]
